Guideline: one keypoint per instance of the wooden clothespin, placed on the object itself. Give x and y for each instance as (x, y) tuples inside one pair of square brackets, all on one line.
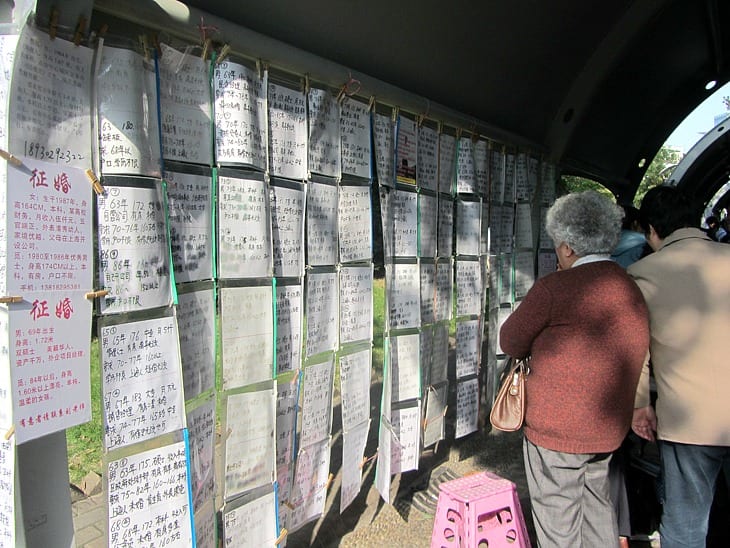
[(281, 536), (225, 50), (395, 114), (371, 103), (80, 29), (440, 126), (102, 30), (17, 162), (10, 433), (305, 84), (53, 23), (206, 49), (329, 481), (96, 185), (96, 294), (145, 47), (458, 133), (11, 299), (156, 43)]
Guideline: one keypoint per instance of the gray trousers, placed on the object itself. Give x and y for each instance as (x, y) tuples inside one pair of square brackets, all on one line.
[(570, 498)]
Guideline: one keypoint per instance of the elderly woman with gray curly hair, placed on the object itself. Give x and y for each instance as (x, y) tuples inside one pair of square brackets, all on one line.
[(586, 329)]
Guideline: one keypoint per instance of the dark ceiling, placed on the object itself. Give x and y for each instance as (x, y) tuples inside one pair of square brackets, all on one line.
[(595, 85)]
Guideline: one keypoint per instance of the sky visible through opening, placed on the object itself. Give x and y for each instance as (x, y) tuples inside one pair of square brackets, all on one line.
[(700, 121)]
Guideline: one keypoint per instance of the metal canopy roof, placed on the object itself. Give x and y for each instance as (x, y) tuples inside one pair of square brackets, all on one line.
[(596, 86)]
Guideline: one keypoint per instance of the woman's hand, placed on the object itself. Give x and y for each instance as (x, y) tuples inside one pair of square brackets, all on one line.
[(644, 423)]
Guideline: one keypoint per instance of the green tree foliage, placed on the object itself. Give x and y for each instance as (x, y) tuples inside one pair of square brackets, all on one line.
[(658, 171), (572, 183)]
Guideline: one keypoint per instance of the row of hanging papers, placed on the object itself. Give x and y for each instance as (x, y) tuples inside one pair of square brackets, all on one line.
[(220, 183)]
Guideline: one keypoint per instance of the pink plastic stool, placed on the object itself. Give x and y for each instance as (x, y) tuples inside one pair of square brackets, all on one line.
[(479, 511)]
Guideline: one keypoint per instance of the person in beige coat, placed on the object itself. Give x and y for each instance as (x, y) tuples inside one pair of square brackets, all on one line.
[(686, 285)]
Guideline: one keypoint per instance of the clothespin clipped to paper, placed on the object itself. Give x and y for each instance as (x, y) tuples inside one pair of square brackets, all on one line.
[(281, 537), (440, 126), (395, 114), (17, 162), (96, 294), (349, 88), (223, 53), (156, 43), (258, 68), (10, 433), (458, 133), (305, 84), (371, 103), (80, 29), (53, 23), (96, 185), (145, 47), (329, 481), (206, 49), (474, 135), (366, 460), (102, 31), (289, 505), (422, 117), (11, 299)]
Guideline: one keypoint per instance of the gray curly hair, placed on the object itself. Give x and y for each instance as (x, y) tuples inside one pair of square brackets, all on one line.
[(587, 221)]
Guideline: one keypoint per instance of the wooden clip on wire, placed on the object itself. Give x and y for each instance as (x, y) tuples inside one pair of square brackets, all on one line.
[(53, 23), (206, 49), (225, 50), (10, 158), (281, 536), (329, 481), (80, 29), (371, 103), (96, 294), (96, 185), (10, 433), (11, 299)]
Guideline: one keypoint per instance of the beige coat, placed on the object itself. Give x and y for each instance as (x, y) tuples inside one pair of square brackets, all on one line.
[(686, 284)]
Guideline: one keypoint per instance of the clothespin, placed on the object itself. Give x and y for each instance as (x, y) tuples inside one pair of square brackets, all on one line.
[(11, 299), (206, 48), (366, 460), (145, 47), (102, 30), (349, 88), (17, 162), (225, 50), (419, 119), (474, 135), (156, 43), (289, 505), (395, 113), (80, 29), (371, 103), (10, 433), (96, 185), (53, 23), (258, 67), (95, 294), (329, 481), (281, 536), (440, 126), (458, 133)]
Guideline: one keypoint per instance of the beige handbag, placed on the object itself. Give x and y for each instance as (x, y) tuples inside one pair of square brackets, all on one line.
[(508, 410)]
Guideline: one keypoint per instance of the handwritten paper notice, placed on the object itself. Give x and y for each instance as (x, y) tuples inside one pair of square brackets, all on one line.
[(467, 407), (310, 483), (522, 189), (185, 107), (386, 221), (253, 523), (134, 257), (548, 178), (250, 450), (434, 429), (404, 295), (244, 228), (49, 362), (149, 501), (141, 381), (506, 229), (129, 137), (287, 132), (353, 452), (505, 278), (7, 489), (523, 226), (524, 273), (206, 526), (355, 224), (484, 241), (8, 47), (322, 312), (497, 176), (444, 290), (406, 366), (247, 335), (384, 149), (492, 276), (406, 150), (355, 135), (50, 233), (385, 448), (481, 166), (201, 427), (467, 348), (287, 230), (468, 229), (546, 263), (428, 159), (445, 227), (426, 353), (440, 358), (428, 292), (468, 287), (324, 133), (50, 103), (428, 224), (355, 388), (289, 308), (545, 239), (6, 391), (405, 222), (356, 304), (503, 313), (322, 204), (240, 115), (189, 199), (287, 396), (447, 162), (405, 447), (196, 324), (317, 403), (509, 178), (465, 177)]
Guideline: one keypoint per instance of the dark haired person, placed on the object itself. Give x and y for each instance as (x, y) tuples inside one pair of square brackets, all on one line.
[(686, 286), (586, 329)]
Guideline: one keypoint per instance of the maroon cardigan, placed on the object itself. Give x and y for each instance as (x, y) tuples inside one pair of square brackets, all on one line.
[(587, 330)]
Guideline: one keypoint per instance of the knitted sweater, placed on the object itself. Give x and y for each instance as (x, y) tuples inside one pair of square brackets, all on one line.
[(587, 331)]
